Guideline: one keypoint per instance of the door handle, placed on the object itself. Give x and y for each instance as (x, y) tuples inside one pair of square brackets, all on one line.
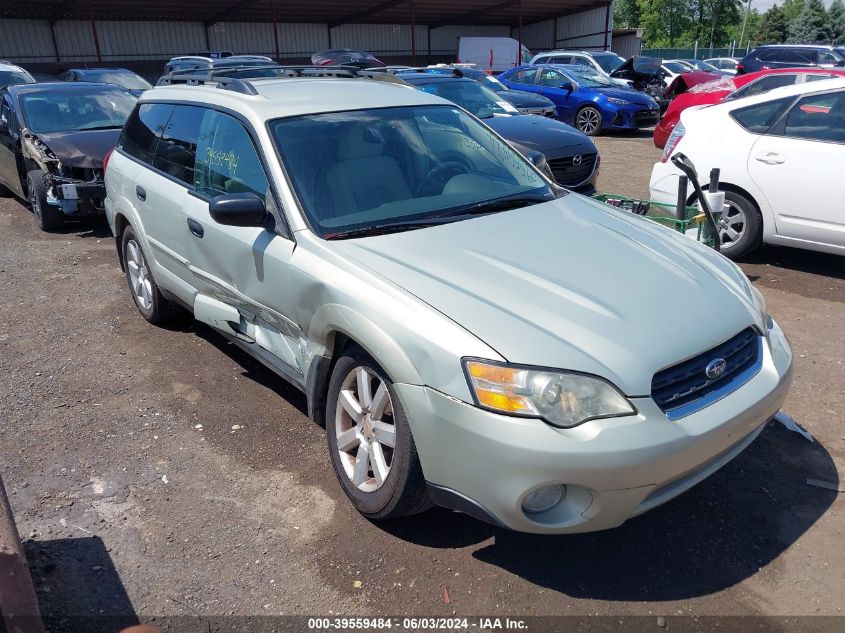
[(195, 227), (140, 192), (771, 158)]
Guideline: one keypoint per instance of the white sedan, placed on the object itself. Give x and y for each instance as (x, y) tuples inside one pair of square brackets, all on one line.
[(781, 156)]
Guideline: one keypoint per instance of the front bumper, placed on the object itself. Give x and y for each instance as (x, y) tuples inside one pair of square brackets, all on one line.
[(613, 468), (628, 118), (76, 198)]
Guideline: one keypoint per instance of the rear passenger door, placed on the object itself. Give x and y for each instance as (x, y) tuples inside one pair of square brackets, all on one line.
[(164, 137), (797, 163), (241, 271)]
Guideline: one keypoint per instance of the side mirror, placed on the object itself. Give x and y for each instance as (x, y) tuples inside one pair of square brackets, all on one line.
[(839, 63), (566, 85), (238, 209)]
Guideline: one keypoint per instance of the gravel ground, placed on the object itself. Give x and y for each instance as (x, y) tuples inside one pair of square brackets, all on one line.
[(158, 471)]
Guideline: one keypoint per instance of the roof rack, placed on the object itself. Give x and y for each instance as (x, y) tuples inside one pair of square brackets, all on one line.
[(221, 76)]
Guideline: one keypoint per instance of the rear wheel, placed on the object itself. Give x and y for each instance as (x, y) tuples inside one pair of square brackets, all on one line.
[(370, 442), (589, 121), (740, 226), (145, 292), (49, 217)]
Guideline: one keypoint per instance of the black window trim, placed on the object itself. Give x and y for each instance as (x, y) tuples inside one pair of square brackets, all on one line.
[(284, 230)]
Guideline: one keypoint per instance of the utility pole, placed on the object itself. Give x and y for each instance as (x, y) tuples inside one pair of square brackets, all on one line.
[(744, 22)]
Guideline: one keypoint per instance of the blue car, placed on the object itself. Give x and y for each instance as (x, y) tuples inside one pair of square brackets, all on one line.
[(584, 98)]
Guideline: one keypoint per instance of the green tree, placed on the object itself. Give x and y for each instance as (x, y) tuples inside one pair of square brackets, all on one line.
[(810, 26), (836, 22), (772, 29), (626, 14), (791, 9), (665, 22)]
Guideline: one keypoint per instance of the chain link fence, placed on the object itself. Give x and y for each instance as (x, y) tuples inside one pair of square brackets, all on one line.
[(692, 53)]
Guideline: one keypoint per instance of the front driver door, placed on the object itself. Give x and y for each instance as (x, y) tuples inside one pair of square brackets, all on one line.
[(242, 271), (797, 164), (9, 136), (549, 82)]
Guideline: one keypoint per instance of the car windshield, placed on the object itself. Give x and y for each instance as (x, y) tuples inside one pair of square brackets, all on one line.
[(76, 107), (401, 167), (674, 67), (608, 63), (491, 82), (9, 78), (700, 65), (589, 79), (470, 95), (123, 78)]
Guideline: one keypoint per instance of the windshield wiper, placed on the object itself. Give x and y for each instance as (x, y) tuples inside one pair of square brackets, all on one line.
[(496, 205), (383, 229), (99, 127)]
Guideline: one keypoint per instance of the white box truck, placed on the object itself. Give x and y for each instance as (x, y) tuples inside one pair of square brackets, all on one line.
[(491, 54)]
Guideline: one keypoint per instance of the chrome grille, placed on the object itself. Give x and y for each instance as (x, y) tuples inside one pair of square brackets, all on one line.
[(686, 387)]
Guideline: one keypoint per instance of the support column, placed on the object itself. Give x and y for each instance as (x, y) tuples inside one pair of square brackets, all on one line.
[(413, 35), (607, 26), (94, 33), (519, 37), (275, 32), (55, 42)]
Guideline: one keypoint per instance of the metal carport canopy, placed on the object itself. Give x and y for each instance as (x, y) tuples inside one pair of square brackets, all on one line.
[(433, 13)]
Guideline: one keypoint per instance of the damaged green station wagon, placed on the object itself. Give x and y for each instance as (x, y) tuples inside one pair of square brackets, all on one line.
[(470, 334)]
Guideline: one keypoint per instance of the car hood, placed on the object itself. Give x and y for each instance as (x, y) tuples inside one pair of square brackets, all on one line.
[(85, 149), (634, 96), (571, 284), (522, 99), (639, 65), (540, 133)]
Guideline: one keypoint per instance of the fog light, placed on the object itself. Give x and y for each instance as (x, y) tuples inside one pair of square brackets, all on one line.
[(543, 498)]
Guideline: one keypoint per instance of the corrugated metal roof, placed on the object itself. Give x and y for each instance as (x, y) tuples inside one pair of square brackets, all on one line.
[(334, 12)]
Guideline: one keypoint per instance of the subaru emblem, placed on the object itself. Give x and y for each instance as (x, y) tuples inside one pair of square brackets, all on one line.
[(715, 368), (576, 160)]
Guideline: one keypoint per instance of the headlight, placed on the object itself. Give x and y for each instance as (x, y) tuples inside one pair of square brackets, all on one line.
[(561, 398), (618, 101)]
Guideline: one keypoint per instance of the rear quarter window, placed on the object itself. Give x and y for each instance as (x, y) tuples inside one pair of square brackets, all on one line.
[(143, 130)]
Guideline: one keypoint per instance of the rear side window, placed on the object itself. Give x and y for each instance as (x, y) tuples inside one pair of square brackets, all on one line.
[(226, 159), (799, 56), (143, 129), (769, 55), (759, 117), (524, 76), (764, 84), (818, 118), (177, 148)]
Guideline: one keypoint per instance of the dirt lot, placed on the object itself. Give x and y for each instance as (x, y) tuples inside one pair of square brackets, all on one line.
[(161, 472)]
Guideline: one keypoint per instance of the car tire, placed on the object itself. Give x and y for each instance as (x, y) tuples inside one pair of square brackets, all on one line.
[(49, 217), (589, 120), (145, 292), (381, 481), (740, 227)]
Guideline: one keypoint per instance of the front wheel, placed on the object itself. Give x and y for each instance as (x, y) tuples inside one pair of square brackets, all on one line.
[(589, 121), (370, 442), (49, 217)]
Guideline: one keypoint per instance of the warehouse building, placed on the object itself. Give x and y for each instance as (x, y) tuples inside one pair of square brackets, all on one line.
[(51, 35)]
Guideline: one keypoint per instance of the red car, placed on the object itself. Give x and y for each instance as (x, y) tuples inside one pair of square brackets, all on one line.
[(734, 88)]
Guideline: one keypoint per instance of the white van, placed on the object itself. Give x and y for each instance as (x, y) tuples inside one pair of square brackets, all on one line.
[(495, 54)]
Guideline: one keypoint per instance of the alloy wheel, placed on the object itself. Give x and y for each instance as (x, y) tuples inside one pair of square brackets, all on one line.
[(588, 120), (139, 275), (732, 224), (365, 429)]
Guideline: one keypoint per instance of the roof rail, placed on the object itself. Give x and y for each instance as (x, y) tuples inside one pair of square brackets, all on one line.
[(198, 78), (433, 70)]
